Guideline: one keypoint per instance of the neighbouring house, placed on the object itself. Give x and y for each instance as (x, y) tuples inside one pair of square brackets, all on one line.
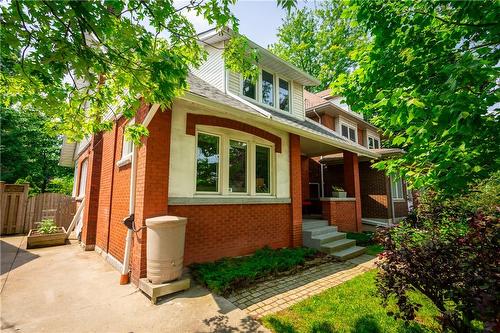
[(231, 156), (384, 199)]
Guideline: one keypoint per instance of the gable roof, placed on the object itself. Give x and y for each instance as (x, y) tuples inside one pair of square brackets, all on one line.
[(267, 60)]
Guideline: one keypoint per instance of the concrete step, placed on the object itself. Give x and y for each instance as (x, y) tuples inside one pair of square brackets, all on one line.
[(349, 253), (309, 224), (309, 233), (318, 240), (338, 245)]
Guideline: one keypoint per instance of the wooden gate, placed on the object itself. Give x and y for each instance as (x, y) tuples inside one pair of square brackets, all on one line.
[(19, 214), (12, 207), (63, 205)]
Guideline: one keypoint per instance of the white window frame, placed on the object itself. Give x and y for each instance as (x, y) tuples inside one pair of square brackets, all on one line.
[(258, 93), (396, 194), (229, 190), (127, 147), (223, 172), (219, 167), (84, 167), (355, 128), (374, 139)]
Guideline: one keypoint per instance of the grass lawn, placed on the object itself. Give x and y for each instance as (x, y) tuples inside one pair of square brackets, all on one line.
[(351, 307)]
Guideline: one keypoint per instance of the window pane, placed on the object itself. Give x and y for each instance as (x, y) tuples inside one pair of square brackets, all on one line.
[(83, 178), (345, 131), (284, 95), (207, 163), (377, 145), (249, 88), (267, 88), (352, 134), (370, 143), (237, 166), (262, 169)]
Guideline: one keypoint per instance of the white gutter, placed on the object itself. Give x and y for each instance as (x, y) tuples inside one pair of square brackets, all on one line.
[(124, 278)]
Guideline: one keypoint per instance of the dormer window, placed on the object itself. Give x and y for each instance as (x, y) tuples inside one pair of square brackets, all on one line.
[(348, 132), (373, 143), (284, 95), (267, 88), (249, 88)]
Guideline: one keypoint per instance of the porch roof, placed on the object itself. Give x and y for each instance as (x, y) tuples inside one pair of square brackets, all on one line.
[(384, 153), (316, 139)]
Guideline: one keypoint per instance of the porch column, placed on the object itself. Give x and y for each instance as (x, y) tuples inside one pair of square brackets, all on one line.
[(305, 177), (151, 199), (92, 187), (295, 191), (351, 183)]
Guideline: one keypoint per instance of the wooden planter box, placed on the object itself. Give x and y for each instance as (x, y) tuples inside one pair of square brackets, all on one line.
[(36, 239)]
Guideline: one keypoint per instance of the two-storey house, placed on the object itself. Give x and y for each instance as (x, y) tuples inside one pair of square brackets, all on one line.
[(228, 155)]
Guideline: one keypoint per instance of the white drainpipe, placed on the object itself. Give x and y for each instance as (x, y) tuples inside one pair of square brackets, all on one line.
[(124, 278)]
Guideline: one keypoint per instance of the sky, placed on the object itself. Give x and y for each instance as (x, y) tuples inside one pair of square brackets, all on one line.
[(259, 19)]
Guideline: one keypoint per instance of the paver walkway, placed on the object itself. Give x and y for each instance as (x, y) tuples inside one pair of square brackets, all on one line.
[(272, 296)]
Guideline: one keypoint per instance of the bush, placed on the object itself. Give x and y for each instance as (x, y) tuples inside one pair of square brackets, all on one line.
[(225, 275), (449, 252)]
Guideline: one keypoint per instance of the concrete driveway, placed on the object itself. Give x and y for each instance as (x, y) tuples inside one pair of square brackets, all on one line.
[(64, 289)]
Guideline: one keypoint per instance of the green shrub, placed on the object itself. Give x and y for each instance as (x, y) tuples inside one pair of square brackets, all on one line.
[(225, 275), (47, 227)]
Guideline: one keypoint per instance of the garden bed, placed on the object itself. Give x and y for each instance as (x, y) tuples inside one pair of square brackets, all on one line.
[(366, 239), (229, 274), (38, 239)]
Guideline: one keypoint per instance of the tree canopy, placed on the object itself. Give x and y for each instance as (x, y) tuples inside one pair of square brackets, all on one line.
[(425, 72), (80, 60)]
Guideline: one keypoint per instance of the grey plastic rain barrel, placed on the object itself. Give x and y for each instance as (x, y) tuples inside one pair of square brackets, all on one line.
[(165, 248)]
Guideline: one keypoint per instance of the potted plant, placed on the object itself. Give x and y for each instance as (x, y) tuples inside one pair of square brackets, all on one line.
[(338, 192), (47, 234)]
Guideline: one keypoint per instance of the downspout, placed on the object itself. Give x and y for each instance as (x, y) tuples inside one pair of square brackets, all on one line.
[(391, 222), (125, 278), (321, 169)]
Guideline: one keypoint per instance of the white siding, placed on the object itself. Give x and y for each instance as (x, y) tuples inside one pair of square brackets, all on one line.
[(298, 100), (212, 70), (233, 82)]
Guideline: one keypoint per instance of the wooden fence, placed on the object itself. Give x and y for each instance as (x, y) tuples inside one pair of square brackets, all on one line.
[(19, 214)]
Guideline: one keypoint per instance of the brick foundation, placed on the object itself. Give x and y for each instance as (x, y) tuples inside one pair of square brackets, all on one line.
[(216, 231)]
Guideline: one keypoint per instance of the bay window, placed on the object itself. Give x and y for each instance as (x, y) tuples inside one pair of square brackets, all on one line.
[(207, 163), (229, 166), (284, 89)]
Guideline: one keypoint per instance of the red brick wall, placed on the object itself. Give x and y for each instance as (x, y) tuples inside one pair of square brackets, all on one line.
[(305, 177), (374, 189), (400, 208), (94, 153), (151, 184), (328, 121), (341, 214), (216, 231), (352, 183), (360, 136)]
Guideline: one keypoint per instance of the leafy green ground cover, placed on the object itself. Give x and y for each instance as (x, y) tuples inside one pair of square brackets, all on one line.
[(225, 275), (351, 307), (366, 239)]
